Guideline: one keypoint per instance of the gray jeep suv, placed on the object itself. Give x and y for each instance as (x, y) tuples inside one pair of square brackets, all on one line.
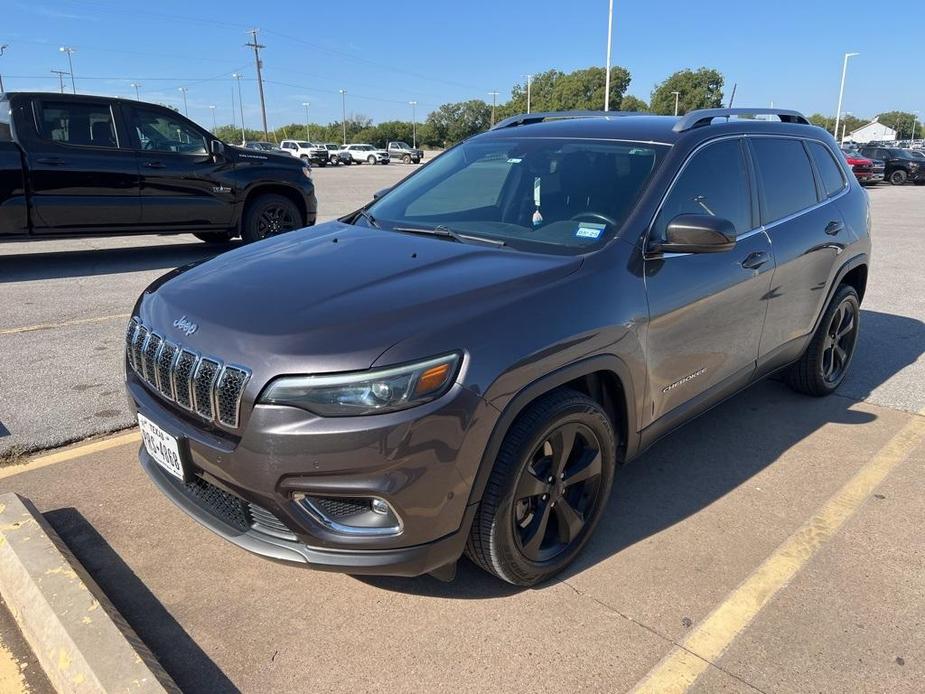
[(461, 365)]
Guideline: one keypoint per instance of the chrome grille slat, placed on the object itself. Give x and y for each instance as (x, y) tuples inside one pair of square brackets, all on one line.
[(199, 384)]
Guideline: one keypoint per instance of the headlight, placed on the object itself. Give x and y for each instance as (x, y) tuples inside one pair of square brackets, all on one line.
[(365, 392)]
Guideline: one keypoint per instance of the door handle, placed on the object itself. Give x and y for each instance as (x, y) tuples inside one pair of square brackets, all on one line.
[(755, 260), (154, 165), (51, 161), (832, 228)]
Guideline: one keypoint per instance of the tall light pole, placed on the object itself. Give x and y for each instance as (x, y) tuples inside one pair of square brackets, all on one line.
[(609, 44), (343, 104), (214, 126), (844, 126), (414, 125), (841, 90), (915, 119), (677, 95), (3, 47), (263, 106), (183, 91), (137, 93), (529, 84), (60, 74), (494, 98), (308, 132), (237, 78), (70, 64)]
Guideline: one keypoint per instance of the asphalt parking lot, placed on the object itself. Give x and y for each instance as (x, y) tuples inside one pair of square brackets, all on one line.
[(773, 545)]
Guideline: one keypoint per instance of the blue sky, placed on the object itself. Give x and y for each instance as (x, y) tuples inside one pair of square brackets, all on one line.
[(387, 53)]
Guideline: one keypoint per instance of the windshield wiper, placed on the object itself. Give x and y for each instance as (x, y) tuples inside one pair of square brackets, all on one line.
[(369, 218), (446, 232)]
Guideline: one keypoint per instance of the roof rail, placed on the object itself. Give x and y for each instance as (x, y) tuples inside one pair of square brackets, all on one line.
[(696, 119), (539, 117)]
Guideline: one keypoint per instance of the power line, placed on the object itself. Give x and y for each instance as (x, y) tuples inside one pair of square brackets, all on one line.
[(61, 74)]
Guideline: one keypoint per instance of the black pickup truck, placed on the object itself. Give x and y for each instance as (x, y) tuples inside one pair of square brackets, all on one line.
[(75, 165)]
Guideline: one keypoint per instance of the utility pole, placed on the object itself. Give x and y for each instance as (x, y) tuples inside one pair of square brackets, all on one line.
[(263, 107), (343, 105), (914, 123), (677, 95), (308, 131), (214, 126), (841, 91), (183, 91), (237, 78), (70, 64), (137, 94), (414, 125), (733, 97), (494, 98), (609, 44), (60, 74), (529, 82), (3, 47)]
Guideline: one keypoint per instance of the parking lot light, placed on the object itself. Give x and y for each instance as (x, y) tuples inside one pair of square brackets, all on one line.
[(237, 78), (414, 126), (70, 64), (308, 132), (214, 127), (529, 82), (609, 46), (841, 91), (676, 97), (343, 103)]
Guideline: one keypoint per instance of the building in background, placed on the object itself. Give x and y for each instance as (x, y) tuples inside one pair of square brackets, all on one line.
[(875, 131)]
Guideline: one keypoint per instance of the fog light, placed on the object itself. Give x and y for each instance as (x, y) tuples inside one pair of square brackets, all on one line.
[(359, 516), (380, 507)]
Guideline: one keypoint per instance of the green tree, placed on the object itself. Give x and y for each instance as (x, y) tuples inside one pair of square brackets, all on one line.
[(633, 103), (581, 90), (701, 88), (901, 122), (454, 122)]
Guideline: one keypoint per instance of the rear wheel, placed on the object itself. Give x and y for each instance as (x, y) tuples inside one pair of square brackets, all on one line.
[(269, 215), (214, 236), (898, 177), (825, 362), (406, 159), (547, 490), (371, 159)]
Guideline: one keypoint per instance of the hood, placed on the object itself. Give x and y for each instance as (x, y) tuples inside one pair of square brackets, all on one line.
[(335, 297)]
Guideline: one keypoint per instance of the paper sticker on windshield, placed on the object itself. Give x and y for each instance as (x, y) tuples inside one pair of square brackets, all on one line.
[(513, 161), (587, 230)]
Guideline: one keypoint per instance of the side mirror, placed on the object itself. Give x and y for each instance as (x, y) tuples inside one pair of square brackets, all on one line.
[(379, 193), (218, 150), (697, 233)]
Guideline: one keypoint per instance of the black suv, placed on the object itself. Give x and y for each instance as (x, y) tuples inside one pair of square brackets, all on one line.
[(86, 165), (901, 165), (464, 363)]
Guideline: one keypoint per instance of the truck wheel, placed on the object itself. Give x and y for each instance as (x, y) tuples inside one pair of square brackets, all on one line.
[(825, 362), (214, 236), (406, 159), (898, 177), (547, 490), (304, 158), (269, 215), (371, 160)]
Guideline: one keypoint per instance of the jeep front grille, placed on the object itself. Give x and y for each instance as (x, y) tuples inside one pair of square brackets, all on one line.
[(199, 384)]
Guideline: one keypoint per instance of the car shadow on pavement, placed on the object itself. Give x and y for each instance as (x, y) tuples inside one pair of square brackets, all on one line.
[(176, 651), (104, 261), (699, 464)]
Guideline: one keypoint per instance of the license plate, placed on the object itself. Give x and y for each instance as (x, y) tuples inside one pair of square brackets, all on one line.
[(161, 446)]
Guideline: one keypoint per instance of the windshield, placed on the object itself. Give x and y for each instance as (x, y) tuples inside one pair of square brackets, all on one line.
[(545, 194), (305, 145)]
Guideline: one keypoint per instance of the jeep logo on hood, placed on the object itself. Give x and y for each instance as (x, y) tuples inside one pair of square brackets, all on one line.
[(184, 325)]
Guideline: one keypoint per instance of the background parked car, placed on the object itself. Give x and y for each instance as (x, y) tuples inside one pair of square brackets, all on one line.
[(867, 171), (306, 151), (364, 152), (262, 146), (334, 154), (901, 165), (402, 151)]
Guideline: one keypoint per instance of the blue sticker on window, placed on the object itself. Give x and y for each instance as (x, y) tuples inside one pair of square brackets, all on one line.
[(587, 230)]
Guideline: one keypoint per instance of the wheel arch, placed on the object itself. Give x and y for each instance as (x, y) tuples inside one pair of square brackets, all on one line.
[(275, 189), (854, 272), (604, 378)]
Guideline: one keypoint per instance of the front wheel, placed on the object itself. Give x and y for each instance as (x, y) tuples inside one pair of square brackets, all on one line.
[(547, 490), (371, 160), (825, 362), (898, 177), (269, 215), (406, 159)]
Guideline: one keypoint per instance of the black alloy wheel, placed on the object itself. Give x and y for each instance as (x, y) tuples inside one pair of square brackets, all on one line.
[(840, 338), (898, 177), (269, 215)]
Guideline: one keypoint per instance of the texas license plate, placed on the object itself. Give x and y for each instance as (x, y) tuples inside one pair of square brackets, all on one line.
[(161, 446)]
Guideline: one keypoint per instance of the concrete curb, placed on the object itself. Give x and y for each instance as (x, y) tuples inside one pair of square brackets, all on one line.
[(80, 639)]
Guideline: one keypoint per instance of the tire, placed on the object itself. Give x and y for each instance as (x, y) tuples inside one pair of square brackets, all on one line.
[(406, 159), (334, 160), (898, 177), (371, 160), (508, 537), (304, 158), (214, 236), (824, 365), (268, 215)]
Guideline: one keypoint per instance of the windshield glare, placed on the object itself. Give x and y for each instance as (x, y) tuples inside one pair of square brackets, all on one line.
[(546, 194)]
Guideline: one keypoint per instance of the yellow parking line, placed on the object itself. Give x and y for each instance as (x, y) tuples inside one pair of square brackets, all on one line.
[(64, 324), (11, 677), (678, 670), (71, 453)]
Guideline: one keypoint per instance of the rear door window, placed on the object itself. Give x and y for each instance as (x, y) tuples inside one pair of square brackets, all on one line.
[(787, 182), (714, 182), (74, 123), (833, 181)]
